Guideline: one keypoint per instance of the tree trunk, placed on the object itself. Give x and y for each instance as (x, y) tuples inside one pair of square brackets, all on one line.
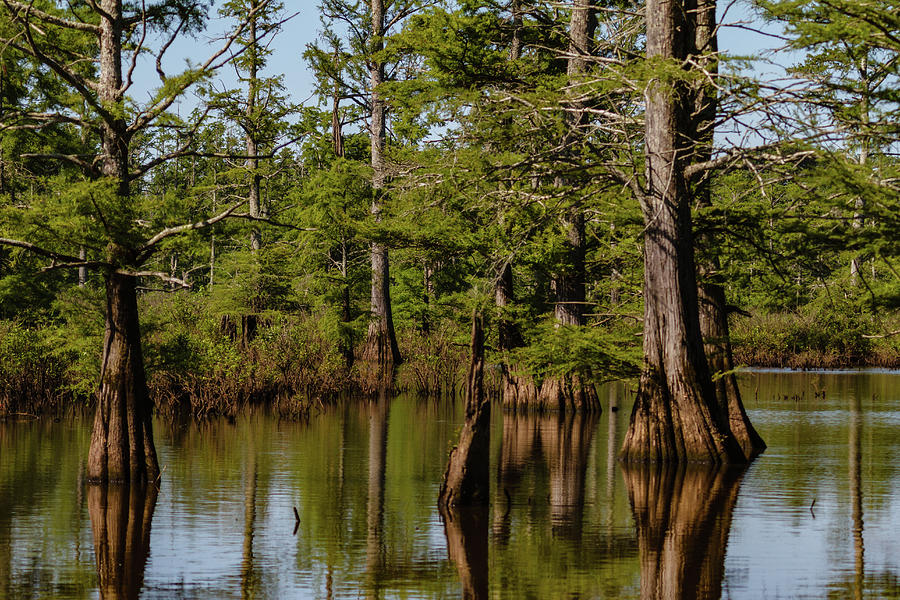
[(428, 294), (337, 136), (675, 416), (717, 345), (120, 519), (466, 481), (252, 161), (82, 271), (519, 392), (864, 142), (683, 517), (346, 307), (515, 44), (713, 309), (122, 439), (381, 349), (572, 392)]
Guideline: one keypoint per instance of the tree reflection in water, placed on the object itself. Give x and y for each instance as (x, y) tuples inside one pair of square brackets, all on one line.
[(559, 442), (466, 529), (683, 516), (379, 412), (120, 519)]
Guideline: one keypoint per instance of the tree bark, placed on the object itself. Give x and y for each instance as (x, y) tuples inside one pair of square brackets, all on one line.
[(122, 446), (713, 309), (252, 161), (675, 416), (381, 349), (122, 439), (683, 517), (717, 345), (466, 481), (515, 44)]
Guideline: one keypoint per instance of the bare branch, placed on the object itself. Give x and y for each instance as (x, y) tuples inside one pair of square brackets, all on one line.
[(137, 50), (147, 248), (56, 256), (738, 154), (48, 18), (212, 63), (158, 274), (164, 49), (72, 158), (88, 264)]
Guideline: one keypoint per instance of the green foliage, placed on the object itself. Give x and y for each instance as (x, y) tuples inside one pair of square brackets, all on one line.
[(255, 283), (591, 352)]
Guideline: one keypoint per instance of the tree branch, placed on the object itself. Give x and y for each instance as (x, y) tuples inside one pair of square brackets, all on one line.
[(147, 248), (72, 158), (158, 274), (56, 256), (48, 18)]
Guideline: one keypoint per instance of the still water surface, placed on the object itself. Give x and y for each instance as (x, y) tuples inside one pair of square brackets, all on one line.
[(816, 516)]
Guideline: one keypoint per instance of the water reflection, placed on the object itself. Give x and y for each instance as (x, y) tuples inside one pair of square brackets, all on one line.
[(856, 502), (466, 530), (553, 444), (364, 477), (375, 552), (683, 516), (120, 520), (249, 577)]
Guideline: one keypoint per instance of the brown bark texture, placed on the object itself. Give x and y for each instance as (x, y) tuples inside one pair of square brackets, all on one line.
[(120, 519), (122, 439), (712, 303), (122, 446), (717, 345), (675, 416), (466, 480), (252, 161), (381, 350), (683, 516)]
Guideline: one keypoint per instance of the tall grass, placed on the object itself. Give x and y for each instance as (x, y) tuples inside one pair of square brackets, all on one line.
[(815, 338)]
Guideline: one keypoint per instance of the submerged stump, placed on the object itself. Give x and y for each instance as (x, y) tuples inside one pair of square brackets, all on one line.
[(466, 481)]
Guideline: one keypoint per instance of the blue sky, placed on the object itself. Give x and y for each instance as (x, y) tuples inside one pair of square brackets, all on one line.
[(302, 29)]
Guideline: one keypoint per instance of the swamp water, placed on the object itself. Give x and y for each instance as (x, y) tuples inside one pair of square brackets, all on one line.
[(816, 516)]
